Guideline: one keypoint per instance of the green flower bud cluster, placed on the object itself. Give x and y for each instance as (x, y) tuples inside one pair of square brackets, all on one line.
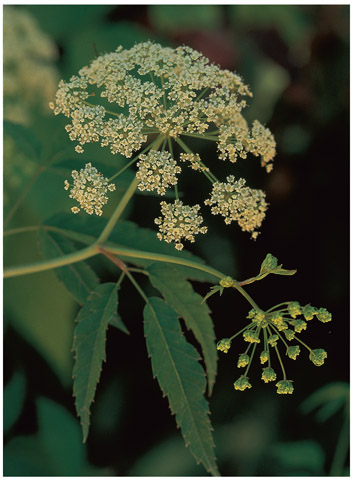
[(274, 328)]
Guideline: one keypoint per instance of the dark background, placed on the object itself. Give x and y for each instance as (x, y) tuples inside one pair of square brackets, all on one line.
[(296, 61)]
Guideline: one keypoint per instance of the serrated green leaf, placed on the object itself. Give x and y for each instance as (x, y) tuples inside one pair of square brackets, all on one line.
[(89, 347), (78, 277), (126, 234), (180, 295), (116, 321), (176, 365), (14, 398), (25, 140)]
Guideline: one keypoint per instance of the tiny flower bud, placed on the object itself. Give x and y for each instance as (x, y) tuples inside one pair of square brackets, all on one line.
[(293, 351), (251, 336), (309, 312), (272, 340), (318, 356), (264, 357), (299, 325), (284, 387), (242, 383), (260, 319), (243, 360), (251, 313), (294, 309), (277, 320), (289, 334), (323, 315), (268, 375), (224, 345), (226, 282)]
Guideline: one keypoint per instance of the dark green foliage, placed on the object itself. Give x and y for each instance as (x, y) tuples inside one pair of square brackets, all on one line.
[(176, 365), (89, 347), (79, 278), (180, 295)]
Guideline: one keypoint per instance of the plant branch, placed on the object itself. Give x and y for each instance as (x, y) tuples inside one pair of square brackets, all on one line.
[(74, 257)]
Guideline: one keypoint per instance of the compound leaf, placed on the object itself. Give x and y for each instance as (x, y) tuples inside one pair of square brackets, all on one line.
[(89, 347), (79, 278), (175, 364), (180, 295)]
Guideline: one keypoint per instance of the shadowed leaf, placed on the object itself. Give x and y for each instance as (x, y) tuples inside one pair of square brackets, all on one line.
[(89, 347), (176, 365), (180, 295), (78, 277)]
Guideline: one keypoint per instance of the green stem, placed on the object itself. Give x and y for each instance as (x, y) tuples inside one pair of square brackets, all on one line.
[(138, 288), (117, 213), (240, 331), (207, 173), (282, 365), (302, 343), (159, 257), (14, 231), (200, 135), (74, 257), (251, 359), (276, 306), (241, 290), (279, 335), (130, 162)]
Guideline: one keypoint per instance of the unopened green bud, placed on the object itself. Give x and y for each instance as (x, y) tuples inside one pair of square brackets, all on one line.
[(251, 336), (264, 357), (268, 375), (273, 339), (309, 312), (323, 315), (226, 282), (318, 356), (293, 351), (294, 309), (299, 325), (251, 314), (284, 387), (243, 360), (224, 345), (289, 334), (242, 383), (277, 319)]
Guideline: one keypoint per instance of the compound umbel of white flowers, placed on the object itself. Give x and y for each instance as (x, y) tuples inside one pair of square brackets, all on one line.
[(171, 93)]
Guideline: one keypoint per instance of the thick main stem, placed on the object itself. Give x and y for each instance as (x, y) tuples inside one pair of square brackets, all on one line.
[(118, 212), (75, 257)]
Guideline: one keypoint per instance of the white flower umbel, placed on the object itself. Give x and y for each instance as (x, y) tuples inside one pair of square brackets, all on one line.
[(157, 171), (89, 190), (235, 201), (179, 222)]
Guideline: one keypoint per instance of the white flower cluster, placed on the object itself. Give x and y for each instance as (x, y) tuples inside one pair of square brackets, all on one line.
[(195, 161), (235, 201), (30, 77), (165, 90), (89, 190), (179, 222), (157, 171), (170, 93)]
